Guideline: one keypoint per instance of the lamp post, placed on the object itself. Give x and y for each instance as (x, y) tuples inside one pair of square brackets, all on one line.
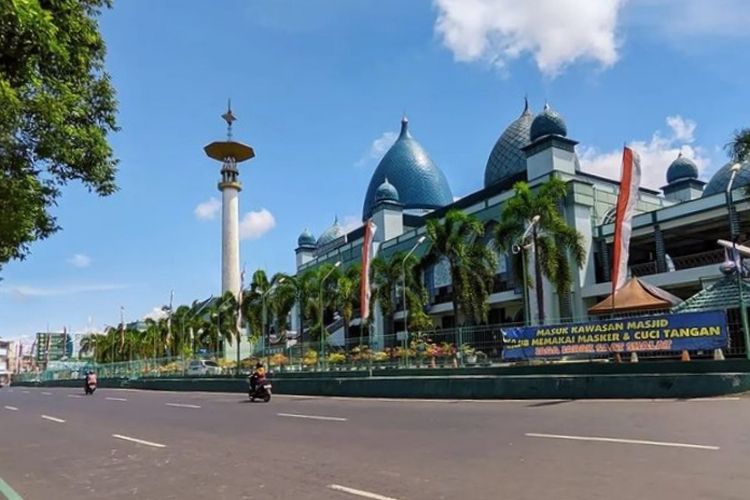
[(403, 290), (320, 305), (266, 333), (521, 247), (738, 261)]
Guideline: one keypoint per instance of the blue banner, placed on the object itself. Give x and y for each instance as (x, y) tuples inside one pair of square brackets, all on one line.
[(669, 332)]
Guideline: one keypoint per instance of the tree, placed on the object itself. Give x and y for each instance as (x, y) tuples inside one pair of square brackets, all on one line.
[(458, 239), (554, 242), (57, 107), (385, 277), (739, 147), (347, 295)]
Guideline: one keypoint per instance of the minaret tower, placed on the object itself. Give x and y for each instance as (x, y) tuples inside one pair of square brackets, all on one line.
[(230, 153)]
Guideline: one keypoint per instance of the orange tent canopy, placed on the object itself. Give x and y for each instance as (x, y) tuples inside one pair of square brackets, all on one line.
[(636, 295)]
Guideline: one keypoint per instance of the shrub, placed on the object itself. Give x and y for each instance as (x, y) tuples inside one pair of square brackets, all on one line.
[(279, 359), (336, 358), (310, 358)]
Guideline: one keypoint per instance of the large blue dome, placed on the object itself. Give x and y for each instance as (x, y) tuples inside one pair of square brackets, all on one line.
[(720, 180), (682, 168), (408, 167), (507, 160), (332, 233)]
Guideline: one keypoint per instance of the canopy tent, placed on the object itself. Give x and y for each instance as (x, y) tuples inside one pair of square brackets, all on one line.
[(636, 295)]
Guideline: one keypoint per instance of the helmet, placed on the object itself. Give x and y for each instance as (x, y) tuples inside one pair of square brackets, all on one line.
[(258, 365)]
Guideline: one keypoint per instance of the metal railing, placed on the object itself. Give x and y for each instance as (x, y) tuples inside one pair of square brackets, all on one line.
[(680, 262), (476, 346)]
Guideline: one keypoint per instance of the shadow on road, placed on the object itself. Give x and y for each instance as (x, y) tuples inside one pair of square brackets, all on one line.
[(550, 403)]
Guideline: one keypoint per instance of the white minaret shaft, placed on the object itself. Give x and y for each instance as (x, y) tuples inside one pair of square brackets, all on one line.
[(230, 228)]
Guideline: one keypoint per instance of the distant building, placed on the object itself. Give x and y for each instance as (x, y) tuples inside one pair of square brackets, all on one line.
[(673, 242)]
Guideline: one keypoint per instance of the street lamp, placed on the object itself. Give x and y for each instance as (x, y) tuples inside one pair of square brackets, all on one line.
[(738, 260), (520, 247), (266, 333), (403, 289), (320, 304)]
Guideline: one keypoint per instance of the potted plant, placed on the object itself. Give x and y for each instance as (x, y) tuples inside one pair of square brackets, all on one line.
[(309, 359), (336, 359), (468, 354)]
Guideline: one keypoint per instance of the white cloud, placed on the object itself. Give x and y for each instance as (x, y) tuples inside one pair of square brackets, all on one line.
[(656, 154), (156, 314), (255, 224), (682, 129), (378, 148), (208, 209), (555, 33), (80, 260), (26, 291)]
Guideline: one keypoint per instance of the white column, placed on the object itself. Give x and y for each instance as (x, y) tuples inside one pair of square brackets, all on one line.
[(230, 239)]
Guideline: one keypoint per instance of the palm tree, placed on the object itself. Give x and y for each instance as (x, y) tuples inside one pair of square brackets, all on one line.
[(347, 295), (458, 239), (88, 344), (554, 242), (739, 147), (385, 277)]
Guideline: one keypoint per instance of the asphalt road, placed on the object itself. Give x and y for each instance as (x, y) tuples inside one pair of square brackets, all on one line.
[(56, 444)]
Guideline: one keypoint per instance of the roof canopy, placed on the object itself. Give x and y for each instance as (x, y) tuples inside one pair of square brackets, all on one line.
[(636, 295)]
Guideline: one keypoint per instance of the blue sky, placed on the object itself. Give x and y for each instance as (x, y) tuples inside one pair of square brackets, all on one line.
[(319, 88)]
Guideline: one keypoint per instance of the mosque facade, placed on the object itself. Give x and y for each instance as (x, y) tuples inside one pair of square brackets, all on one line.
[(673, 243)]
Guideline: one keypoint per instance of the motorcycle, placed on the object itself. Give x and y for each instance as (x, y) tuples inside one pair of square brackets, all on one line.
[(89, 387), (262, 391)]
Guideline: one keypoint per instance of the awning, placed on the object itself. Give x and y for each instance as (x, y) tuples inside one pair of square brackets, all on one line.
[(636, 295)]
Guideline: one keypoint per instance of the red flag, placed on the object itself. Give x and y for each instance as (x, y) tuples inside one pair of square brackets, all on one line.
[(626, 199), (364, 287)]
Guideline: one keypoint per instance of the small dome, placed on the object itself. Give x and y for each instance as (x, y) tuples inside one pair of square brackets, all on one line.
[(418, 181), (548, 122), (306, 239), (332, 233), (682, 168), (507, 160), (720, 180), (386, 192)]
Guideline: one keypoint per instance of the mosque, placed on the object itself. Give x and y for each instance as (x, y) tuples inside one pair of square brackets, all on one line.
[(673, 243)]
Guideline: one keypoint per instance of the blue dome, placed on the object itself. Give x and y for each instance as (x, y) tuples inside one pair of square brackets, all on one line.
[(386, 192), (306, 239), (548, 122), (418, 181), (682, 168), (332, 233), (507, 160), (720, 180)]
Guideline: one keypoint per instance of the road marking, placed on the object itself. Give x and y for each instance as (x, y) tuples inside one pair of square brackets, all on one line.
[(53, 419), (116, 399), (47, 393), (11, 408), (74, 396), (139, 441), (312, 417), (24, 392), (359, 493), (625, 441), (8, 492), (181, 405)]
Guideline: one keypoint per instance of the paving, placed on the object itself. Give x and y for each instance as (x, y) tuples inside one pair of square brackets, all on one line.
[(55, 443)]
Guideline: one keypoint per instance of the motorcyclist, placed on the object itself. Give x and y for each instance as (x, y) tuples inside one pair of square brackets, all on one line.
[(90, 378), (258, 375)]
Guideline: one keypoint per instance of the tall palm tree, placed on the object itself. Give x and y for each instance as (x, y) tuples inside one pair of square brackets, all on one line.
[(458, 239), (88, 344), (554, 242), (385, 277), (347, 295), (281, 300)]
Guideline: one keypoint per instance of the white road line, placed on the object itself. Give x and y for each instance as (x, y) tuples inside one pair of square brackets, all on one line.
[(74, 396), (53, 419), (115, 399), (625, 441), (11, 408), (181, 405), (139, 441), (24, 392), (47, 393), (312, 417), (359, 493)]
